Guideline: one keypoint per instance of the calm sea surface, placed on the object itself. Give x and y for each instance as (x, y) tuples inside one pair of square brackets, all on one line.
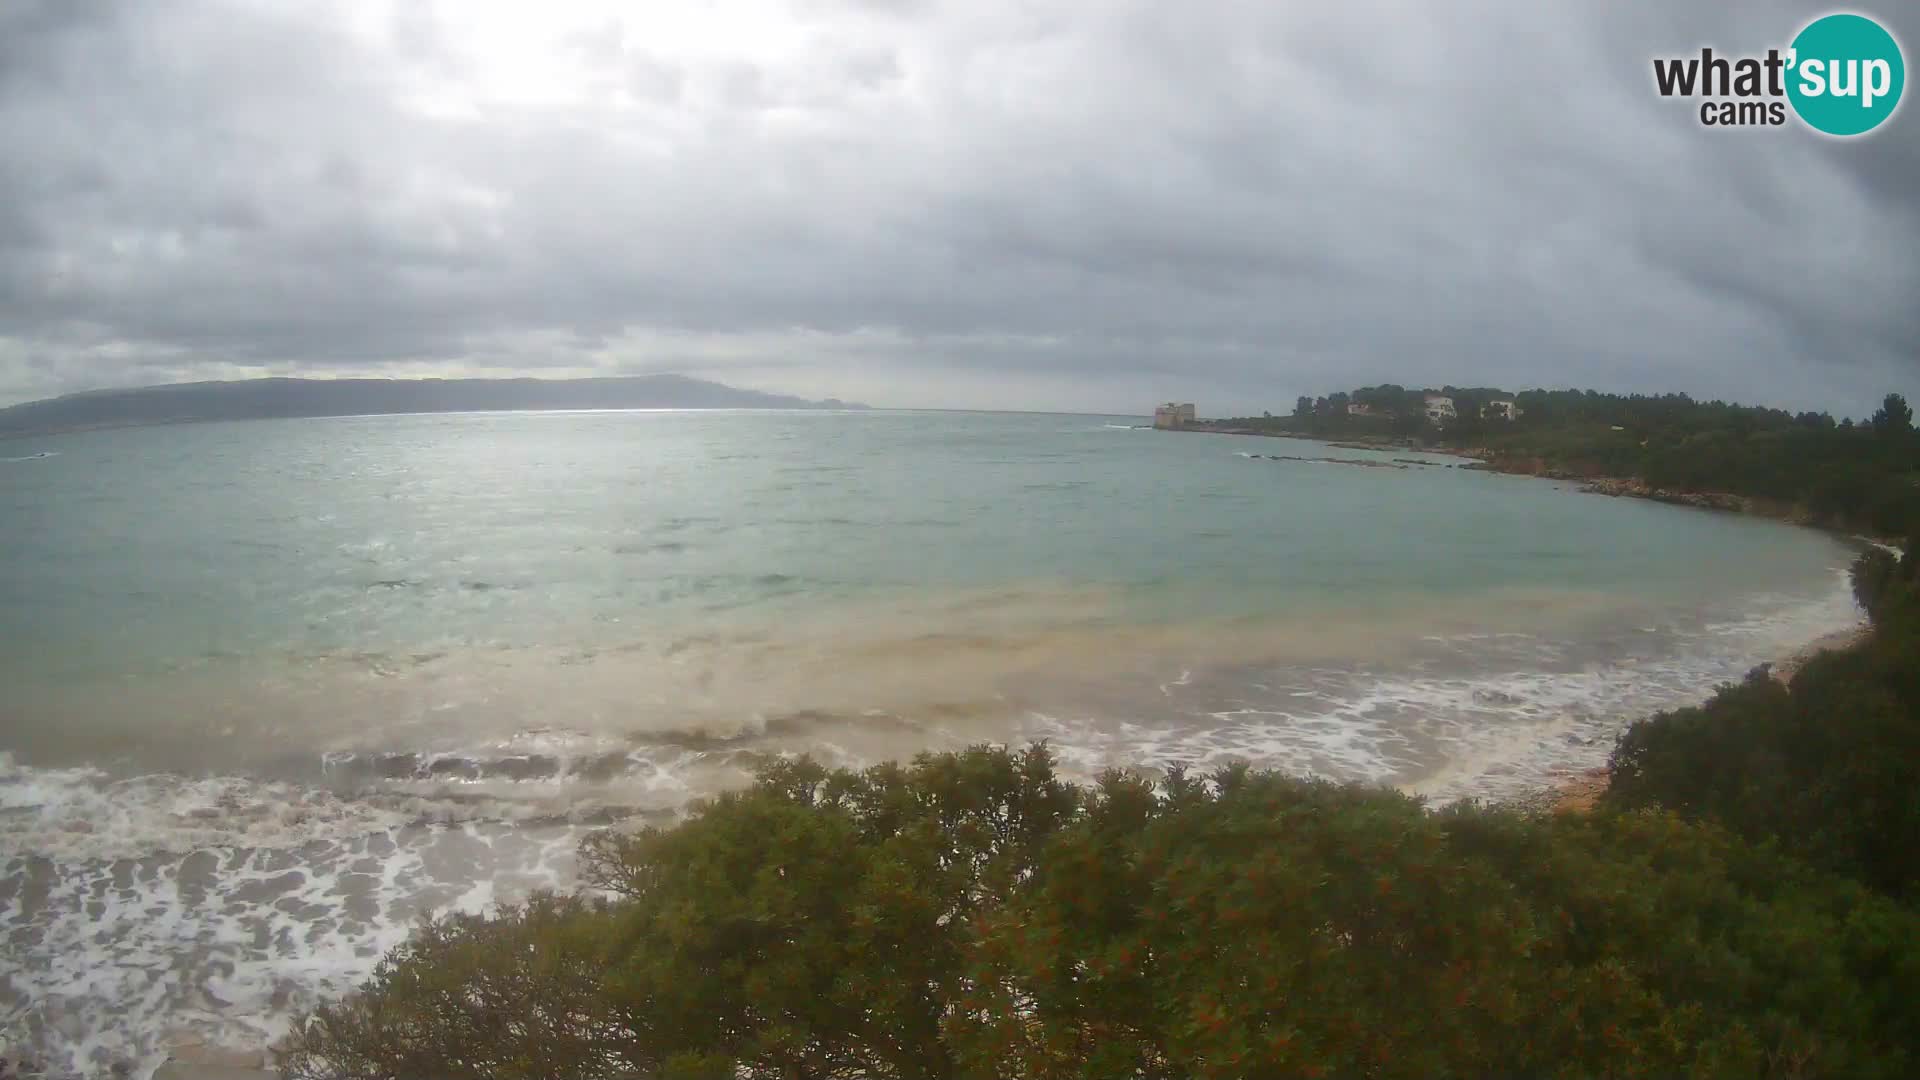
[(271, 691)]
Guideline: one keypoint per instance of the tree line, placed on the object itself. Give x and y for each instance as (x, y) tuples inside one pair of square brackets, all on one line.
[(1861, 476)]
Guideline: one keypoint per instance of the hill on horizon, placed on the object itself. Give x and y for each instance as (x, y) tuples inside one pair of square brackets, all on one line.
[(286, 398)]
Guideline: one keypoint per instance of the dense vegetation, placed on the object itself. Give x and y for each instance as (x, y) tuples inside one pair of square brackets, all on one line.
[(1827, 769), (971, 915), (1858, 476), (1745, 902)]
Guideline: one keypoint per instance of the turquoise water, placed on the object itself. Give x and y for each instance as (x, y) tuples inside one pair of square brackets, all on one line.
[(363, 668)]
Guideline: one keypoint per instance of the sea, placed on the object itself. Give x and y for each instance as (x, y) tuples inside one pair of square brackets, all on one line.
[(271, 692)]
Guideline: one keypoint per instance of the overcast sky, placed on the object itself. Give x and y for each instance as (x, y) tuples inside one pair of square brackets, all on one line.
[(1089, 206)]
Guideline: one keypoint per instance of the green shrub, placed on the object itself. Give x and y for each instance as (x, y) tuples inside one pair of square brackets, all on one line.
[(1876, 575), (1267, 927), (1827, 769), (972, 916), (520, 994)]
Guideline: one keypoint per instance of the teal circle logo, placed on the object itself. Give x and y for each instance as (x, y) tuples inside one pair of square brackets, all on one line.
[(1845, 74)]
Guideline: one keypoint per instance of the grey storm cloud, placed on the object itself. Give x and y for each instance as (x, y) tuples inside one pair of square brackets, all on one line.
[(962, 202)]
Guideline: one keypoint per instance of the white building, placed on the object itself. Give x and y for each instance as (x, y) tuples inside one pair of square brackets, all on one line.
[(1440, 408), (1506, 410), (1173, 415), (1359, 408)]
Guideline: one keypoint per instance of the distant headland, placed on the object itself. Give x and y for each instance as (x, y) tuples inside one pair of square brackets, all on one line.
[(1805, 466), (261, 399)]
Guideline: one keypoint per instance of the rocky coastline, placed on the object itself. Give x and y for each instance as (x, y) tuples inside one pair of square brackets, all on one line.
[(1483, 459), (1635, 488)]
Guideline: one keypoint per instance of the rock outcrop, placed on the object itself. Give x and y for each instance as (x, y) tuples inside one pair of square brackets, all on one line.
[(1632, 487)]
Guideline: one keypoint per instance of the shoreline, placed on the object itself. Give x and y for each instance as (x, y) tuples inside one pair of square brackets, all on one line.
[(1482, 459), (1580, 792), (1355, 442), (198, 1061), (188, 1058)]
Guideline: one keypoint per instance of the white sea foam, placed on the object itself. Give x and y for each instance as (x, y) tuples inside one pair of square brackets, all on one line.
[(135, 907), (138, 909), (1486, 733), (227, 942)]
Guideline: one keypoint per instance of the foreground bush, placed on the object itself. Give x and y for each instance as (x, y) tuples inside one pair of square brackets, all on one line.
[(972, 916), (1827, 769)]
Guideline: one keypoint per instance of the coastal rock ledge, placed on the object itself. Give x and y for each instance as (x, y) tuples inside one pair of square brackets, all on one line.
[(1633, 487), (1709, 500)]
